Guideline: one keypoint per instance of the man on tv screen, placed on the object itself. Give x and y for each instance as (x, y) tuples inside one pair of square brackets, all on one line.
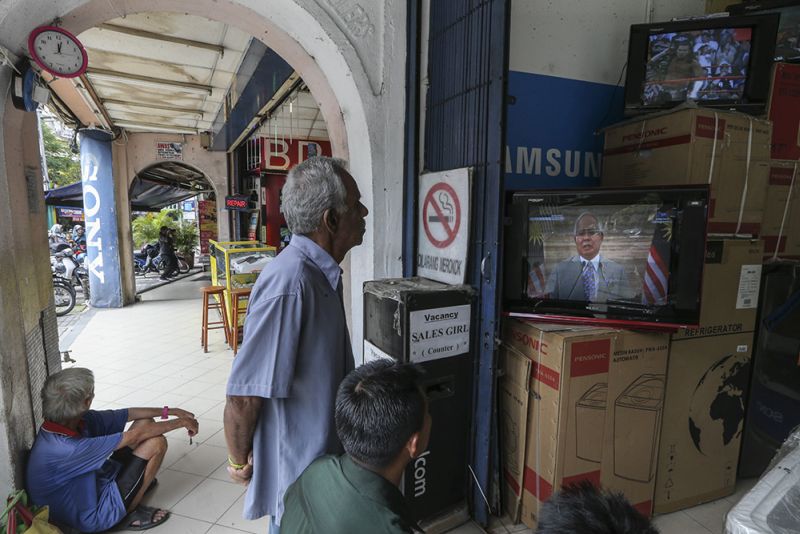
[(588, 276)]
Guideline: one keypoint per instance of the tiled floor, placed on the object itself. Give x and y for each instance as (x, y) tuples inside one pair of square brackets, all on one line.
[(150, 354)]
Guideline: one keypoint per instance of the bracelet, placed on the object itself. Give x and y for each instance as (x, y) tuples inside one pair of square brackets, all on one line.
[(235, 465), (165, 412)]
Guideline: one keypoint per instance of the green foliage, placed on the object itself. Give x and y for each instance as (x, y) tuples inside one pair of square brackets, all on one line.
[(186, 238), (146, 227), (63, 167)]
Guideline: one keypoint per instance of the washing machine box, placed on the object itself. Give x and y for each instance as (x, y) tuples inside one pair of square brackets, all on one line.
[(514, 387), (701, 431), (731, 279), (636, 381), (429, 323), (566, 380)]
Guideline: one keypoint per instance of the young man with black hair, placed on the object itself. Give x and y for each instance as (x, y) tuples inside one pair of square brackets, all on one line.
[(585, 509), (383, 422)]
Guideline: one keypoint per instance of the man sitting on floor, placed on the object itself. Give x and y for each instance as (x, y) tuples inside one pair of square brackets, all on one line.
[(383, 422), (69, 468)]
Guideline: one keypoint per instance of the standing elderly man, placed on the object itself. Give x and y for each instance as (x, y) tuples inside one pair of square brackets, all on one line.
[(296, 348)]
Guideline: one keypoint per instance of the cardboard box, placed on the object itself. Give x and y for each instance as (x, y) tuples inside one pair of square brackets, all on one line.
[(689, 146), (781, 223), (707, 381), (567, 369), (784, 111), (731, 280), (514, 401), (636, 383), (718, 6)]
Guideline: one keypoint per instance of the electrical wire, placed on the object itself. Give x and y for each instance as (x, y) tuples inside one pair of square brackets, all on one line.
[(611, 100)]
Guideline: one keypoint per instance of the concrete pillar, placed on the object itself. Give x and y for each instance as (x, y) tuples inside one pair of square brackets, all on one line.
[(100, 211), (28, 331)]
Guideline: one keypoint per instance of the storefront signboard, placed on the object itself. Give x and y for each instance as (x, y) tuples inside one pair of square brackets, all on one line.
[(169, 150), (444, 225)]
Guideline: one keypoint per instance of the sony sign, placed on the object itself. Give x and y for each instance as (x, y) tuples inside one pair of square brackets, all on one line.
[(91, 207)]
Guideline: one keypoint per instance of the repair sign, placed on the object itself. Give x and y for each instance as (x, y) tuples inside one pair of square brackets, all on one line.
[(444, 204)]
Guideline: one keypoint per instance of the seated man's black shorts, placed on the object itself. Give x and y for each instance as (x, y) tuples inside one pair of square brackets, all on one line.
[(131, 475)]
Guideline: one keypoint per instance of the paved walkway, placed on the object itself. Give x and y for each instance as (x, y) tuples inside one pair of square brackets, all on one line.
[(149, 354)]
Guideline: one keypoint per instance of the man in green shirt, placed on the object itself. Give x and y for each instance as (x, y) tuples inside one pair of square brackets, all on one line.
[(383, 423)]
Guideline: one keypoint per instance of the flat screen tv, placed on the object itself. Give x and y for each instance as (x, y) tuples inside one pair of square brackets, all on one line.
[(723, 62), (787, 43), (617, 257)]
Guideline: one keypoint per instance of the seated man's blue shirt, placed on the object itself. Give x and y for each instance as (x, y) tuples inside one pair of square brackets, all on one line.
[(72, 474)]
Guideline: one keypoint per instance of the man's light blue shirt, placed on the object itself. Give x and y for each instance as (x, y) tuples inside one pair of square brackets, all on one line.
[(296, 350)]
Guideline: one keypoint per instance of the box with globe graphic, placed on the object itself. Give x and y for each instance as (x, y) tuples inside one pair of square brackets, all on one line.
[(703, 414)]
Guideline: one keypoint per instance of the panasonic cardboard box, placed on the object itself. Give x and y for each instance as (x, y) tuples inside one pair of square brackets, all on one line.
[(635, 392), (731, 279), (729, 151), (566, 375), (781, 223), (706, 390)]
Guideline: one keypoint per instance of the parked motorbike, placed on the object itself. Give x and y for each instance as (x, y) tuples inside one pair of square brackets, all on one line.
[(146, 260), (66, 266), (63, 296)]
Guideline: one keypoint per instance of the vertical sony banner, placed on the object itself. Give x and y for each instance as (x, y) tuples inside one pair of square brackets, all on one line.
[(99, 206)]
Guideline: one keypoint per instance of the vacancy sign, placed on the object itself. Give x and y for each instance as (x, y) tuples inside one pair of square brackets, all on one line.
[(444, 224)]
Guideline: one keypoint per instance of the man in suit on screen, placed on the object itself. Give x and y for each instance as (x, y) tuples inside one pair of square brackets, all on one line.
[(588, 276)]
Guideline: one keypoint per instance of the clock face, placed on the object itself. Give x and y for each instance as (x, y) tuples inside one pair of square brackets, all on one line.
[(57, 51)]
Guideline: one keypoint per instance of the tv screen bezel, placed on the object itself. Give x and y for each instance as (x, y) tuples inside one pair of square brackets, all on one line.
[(588, 313), (762, 52), (761, 8)]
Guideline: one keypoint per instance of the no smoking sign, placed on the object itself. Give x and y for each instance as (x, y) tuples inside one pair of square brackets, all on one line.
[(444, 225)]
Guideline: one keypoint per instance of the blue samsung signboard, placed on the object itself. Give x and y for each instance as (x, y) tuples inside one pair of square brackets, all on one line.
[(553, 138)]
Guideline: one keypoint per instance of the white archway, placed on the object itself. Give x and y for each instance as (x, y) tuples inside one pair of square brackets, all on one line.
[(351, 54)]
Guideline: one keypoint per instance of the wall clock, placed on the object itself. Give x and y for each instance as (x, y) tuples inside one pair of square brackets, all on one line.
[(57, 51)]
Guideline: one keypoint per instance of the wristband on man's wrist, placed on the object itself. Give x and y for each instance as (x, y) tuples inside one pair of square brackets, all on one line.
[(165, 413), (235, 465)]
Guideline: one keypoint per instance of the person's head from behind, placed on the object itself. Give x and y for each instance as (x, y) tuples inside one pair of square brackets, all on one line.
[(382, 414), (588, 235), (584, 509), (163, 232), (67, 395), (321, 200)]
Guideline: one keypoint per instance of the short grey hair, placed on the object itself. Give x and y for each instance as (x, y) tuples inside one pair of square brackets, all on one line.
[(311, 188), (583, 216), (64, 394)]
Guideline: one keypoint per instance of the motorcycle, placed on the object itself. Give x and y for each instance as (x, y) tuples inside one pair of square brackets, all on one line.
[(64, 265), (63, 296), (146, 260)]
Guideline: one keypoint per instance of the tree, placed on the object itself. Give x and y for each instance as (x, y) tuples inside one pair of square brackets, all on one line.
[(63, 167), (146, 227)]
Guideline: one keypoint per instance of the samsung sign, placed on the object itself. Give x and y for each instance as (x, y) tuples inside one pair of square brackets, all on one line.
[(552, 136)]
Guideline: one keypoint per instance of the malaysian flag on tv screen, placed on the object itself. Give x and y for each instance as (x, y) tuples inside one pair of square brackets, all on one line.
[(537, 279), (655, 288)]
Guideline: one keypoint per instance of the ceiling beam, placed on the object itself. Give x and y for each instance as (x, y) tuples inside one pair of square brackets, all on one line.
[(149, 126), (162, 107), (96, 99), (130, 77), (161, 37)]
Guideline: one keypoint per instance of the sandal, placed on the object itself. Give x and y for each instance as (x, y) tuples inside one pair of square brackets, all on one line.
[(144, 515)]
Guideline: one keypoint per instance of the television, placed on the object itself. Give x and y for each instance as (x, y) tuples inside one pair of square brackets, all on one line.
[(787, 43), (629, 257), (722, 62)]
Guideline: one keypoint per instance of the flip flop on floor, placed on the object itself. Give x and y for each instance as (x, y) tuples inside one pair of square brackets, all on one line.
[(144, 515)]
